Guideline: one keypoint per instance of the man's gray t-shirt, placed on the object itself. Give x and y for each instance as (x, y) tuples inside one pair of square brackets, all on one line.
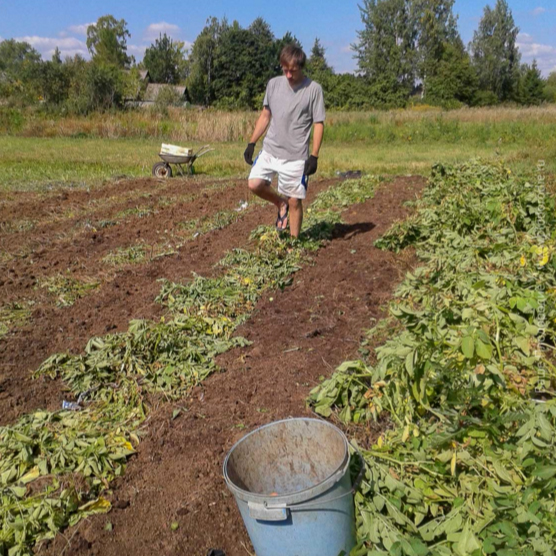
[(293, 113)]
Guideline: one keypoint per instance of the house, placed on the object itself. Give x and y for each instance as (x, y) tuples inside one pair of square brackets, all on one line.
[(153, 91), (147, 93)]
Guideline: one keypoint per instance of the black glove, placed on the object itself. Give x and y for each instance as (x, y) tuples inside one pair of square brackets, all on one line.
[(311, 165), (248, 154)]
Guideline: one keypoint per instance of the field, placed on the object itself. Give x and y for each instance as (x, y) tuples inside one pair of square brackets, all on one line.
[(177, 321), (41, 153)]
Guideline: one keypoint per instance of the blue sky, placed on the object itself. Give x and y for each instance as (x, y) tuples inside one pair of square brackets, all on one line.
[(50, 23)]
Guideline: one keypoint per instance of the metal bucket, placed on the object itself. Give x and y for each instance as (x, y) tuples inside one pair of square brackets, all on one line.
[(293, 489)]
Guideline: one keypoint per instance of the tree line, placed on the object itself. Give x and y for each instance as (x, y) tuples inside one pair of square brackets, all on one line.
[(407, 51)]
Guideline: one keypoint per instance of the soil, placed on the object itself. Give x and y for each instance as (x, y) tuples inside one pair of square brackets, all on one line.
[(125, 292), (297, 335)]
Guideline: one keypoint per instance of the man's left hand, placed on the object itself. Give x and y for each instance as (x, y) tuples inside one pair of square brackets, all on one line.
[(311, 165)]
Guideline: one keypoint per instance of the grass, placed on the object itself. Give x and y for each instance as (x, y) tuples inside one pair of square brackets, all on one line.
[(122, 256), (14, 314), (394, 142), (67, 290)]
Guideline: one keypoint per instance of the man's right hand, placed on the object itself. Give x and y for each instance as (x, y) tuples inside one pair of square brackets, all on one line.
[(248, 154)]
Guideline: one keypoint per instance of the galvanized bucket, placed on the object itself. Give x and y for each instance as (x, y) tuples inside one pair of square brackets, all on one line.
[(293, 488)]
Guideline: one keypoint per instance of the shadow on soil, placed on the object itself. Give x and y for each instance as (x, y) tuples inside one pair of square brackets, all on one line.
[(348, 231)]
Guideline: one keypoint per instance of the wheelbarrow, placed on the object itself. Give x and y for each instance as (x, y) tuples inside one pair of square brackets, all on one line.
[(183, 163)]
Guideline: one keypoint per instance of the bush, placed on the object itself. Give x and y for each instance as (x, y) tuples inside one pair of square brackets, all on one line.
[(485, 99), (167, 97), (11, 120)]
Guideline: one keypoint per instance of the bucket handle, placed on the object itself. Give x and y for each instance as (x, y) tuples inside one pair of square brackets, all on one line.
[(352, 491)]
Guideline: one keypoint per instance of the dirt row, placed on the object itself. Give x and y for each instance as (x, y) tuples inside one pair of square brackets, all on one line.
[(63, 248), (67, 214), (124, 293), (298, 336)]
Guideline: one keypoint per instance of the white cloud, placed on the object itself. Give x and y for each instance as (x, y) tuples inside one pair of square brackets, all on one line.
[(538, 11), (523, 38), (68, 46), (80, 29), (136, 50), (545, 55), (154, 30)]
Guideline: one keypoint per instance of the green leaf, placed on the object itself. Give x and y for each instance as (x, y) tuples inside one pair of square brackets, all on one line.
[(19, 491), (324, 411), (483, 350), (409, 362), (467, 347), (545, 472)]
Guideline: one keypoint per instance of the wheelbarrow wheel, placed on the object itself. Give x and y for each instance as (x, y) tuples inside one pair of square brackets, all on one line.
[(162, 170)]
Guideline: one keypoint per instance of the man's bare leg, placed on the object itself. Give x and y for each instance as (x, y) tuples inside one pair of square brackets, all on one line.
[(262, 189), (296, 216)]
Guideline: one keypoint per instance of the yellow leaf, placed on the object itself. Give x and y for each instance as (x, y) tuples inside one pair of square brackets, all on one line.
[(453, 464), (405, 435), (100, 506), (380, 442), (31, 475), (545, 256)]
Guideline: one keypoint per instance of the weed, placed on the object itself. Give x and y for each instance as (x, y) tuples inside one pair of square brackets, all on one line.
[(122, 256), (68, 290), (14, 314), (135, 212)]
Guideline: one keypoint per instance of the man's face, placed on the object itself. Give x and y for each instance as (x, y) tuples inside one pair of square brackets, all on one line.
[(293, 73)]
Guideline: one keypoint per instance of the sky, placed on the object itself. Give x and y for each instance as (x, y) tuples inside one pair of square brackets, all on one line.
[(47, 24)]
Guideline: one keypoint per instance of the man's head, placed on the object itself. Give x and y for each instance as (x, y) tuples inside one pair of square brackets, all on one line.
[(292, 60)]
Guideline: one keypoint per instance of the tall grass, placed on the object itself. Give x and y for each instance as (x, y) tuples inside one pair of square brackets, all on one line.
[(193, 125), (43, 153)]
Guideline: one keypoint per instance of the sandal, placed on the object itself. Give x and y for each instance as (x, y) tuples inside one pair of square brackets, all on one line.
[(282, 219)]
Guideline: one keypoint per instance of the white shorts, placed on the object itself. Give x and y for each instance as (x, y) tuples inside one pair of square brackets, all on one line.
[(291, 180)]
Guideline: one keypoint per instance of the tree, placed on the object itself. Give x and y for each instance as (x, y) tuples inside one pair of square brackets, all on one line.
[(18, 59), (550, 88), (20, 67), (385, 51), (78, 99), (245, 60), (264, 64), (317, 66), (105, 86), (494, 52), (348, 92), (531, 85), (435, 29), (107, 43), (165, 61), (454, 80), (202, 56), (55, 81), (56, 56)]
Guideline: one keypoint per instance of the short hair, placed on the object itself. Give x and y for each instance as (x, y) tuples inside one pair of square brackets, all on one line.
[(292, 53)]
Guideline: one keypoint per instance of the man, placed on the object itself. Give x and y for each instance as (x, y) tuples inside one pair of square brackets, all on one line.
[(292, 105)]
